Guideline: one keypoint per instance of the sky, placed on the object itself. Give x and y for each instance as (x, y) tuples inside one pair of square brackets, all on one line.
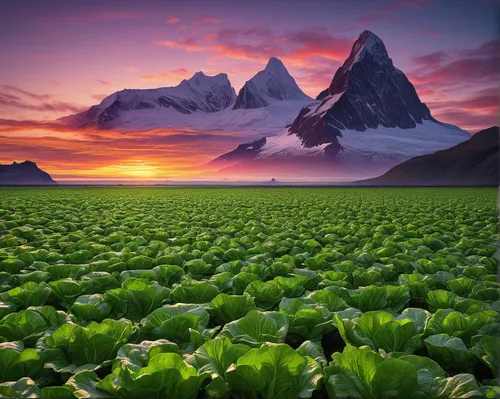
[(60, 57)]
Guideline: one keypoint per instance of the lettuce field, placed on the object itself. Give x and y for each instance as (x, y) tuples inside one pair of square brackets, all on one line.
[(275, 293)]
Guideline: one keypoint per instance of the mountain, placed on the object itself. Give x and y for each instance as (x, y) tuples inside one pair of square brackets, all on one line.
[(202, 93), (366, 91), (268, 86), (24, 173), (474, 162), (369, 119), (207, 103)]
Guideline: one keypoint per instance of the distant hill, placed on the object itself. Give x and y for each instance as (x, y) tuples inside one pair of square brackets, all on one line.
[(24, 173), (474, 162)]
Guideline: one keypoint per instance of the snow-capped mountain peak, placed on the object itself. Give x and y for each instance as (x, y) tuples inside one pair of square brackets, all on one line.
[(367, 91), (199, 79), (275, 64), (268, 86), (200, 93), (367, 43)]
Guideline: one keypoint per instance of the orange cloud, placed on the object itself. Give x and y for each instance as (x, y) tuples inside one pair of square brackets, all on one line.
[(173, 74), (181, 44)]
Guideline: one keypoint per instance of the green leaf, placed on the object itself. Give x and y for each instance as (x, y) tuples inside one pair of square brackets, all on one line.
[(192, 291), (451, 352), (84, 385), (26, 295), (328, 299), (173, 322), (91, 307), (380, 330), (17, 362), (441, 299), (92, 344), (275, 371), (136, 298), (23, 388), (214, 357), (394, 378), (166, 375), (310, 321), (136, 356), (257, 327), (29, 325), (487, 348), (232, 307), (458, 386), (266, 295)]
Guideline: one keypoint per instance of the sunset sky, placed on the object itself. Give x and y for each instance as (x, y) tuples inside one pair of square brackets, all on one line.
[(61, 57)]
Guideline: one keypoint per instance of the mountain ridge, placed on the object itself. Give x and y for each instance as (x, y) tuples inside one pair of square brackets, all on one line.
[(203, 93), (200, 94)]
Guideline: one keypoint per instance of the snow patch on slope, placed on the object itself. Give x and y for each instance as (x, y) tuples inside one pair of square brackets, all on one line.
[(394, 144), (288, 145), (384, 145), (249, 123), (327, 104)]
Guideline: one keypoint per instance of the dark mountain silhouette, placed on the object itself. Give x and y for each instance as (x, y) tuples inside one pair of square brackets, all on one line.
[(474, 162), (24, 173)]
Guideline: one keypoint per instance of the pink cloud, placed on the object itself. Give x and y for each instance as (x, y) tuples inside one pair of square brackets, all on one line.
[(259, 44), (27, 93), (103, 82), (99, 97), (315, 80), (467, 120), (464, 68), (173, 20), (432, 60), (54, 106), (205, 20), (464, 71)]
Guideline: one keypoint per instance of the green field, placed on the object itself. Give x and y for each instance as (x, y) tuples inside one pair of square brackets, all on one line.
[(248, 293)]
